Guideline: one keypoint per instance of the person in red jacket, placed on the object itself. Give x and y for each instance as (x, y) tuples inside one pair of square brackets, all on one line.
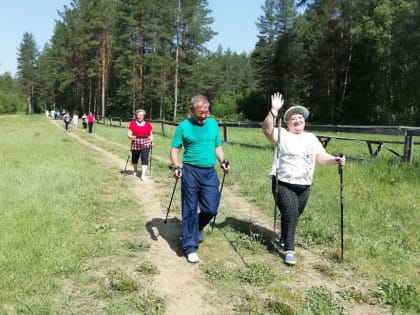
[(140, 133), (90, 120)]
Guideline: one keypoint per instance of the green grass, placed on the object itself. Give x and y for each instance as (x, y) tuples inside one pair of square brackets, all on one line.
[(67, 203), (319, 300), (60, 236), (380, 206), (399, 296)]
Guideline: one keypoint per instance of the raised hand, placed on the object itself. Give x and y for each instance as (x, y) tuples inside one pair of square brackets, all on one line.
[(277, 101)]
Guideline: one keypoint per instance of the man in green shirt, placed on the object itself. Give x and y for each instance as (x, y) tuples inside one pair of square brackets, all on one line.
[(199, 136)]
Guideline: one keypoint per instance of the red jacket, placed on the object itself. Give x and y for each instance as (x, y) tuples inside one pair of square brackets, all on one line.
[(91, 118)]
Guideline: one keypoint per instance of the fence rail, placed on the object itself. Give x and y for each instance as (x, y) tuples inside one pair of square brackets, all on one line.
[(374, 146)]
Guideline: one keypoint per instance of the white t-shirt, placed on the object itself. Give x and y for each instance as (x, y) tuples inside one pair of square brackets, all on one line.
[(297, 157)]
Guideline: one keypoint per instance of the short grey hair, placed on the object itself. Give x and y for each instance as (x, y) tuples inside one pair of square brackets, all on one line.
[(140, 111), (199, 100)]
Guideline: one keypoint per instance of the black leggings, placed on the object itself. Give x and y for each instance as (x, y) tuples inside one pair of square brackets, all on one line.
[(142, 154), (291, 200)]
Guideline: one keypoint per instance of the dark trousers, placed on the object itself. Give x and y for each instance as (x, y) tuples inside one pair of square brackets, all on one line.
[(291, 200), (199, 189), (143, 155), (90, 127)]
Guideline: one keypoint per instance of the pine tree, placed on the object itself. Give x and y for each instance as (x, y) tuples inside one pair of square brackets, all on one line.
[(27, 57)]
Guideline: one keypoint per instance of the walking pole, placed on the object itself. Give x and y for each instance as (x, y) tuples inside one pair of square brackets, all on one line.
[(277, 174), (126, 163), (340, 172), (150, 159), (220, 195), (128, 157), (170, 202)]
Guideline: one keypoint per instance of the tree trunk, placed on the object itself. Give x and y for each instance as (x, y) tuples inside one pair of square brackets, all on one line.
[(29, 105), (90, 96), (103, 77), (346, 77), (177, 61)]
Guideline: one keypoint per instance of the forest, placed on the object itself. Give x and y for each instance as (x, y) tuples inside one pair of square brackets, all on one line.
[(349, 61)]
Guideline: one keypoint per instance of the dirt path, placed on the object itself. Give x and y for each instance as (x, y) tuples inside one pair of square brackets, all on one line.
[(183, 284)]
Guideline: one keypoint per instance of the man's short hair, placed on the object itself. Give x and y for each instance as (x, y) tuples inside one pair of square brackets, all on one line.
[(196, 100)]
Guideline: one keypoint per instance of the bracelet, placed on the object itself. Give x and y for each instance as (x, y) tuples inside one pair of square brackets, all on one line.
[(271, 112)]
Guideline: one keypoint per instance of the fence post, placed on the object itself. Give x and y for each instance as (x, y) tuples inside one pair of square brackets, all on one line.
[(225, 133), (163, 128), (408, 147), (110, 121)]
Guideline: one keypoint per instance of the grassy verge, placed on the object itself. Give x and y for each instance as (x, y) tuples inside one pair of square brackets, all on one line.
[(65, 238), (381, 230)]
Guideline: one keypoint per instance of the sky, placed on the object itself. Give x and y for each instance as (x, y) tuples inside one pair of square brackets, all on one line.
[(234, 21)]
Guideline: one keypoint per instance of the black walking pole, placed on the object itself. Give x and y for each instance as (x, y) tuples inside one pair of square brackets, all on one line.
[(340, 172), (277, 173), (220, 194), (170, 202), (128, 157), (150, 159), (126, 163)]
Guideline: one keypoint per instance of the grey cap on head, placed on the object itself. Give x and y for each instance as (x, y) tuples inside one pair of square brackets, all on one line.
[(296, 110)]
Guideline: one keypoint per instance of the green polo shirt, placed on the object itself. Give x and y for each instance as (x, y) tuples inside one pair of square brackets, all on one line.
[(199, 141)]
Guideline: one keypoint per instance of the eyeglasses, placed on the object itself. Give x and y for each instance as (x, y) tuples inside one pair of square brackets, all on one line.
[(202, 113), (296, 117)]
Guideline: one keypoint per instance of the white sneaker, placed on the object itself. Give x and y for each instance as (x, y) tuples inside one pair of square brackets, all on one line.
[(135, 174), (201, 236), (193, 258), (290, 257)]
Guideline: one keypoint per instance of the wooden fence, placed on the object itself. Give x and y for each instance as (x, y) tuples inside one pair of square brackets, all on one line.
[(374, 146)]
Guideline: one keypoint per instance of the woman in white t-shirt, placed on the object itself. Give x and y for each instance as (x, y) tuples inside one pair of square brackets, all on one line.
[(75, 120), (295, 156)]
